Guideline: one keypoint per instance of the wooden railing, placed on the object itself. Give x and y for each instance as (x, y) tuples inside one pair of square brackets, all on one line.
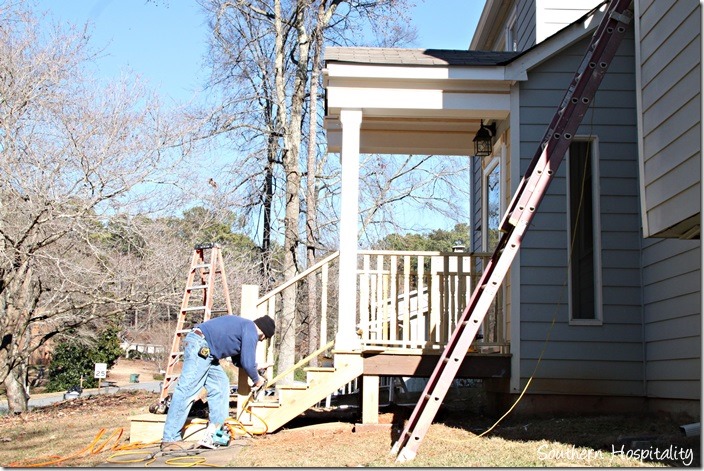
[(405, 300), (412, 300)]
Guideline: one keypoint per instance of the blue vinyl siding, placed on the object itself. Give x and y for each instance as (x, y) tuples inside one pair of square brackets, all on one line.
[(610, 355), (670, 68)]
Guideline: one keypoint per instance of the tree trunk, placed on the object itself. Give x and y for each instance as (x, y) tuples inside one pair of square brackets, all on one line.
[(18, 300), (311, 193), (287, 328), (17, 390), (268, 201)]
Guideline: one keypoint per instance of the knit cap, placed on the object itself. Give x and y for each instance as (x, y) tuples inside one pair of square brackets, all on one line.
[(266, 325)]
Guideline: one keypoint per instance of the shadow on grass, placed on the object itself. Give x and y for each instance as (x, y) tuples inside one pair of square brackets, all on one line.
[(649, 438)]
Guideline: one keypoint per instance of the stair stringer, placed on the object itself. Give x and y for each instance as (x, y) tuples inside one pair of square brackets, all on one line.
[(293, 401)]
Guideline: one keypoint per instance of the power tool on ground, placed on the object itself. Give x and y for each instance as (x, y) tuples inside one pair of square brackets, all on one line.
[(221, 437), (215, 437)]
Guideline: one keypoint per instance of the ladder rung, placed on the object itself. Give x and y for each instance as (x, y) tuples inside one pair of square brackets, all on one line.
[(197, 287), (194, 308), (218, 311), (200, 265)]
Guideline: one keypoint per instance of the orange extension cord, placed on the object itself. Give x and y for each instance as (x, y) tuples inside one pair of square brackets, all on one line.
[(94, 448)]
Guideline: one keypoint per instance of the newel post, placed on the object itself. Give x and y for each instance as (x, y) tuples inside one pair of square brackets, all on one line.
[(248, 310)]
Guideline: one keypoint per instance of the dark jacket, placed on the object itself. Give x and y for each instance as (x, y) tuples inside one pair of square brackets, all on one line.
[(236, 337)]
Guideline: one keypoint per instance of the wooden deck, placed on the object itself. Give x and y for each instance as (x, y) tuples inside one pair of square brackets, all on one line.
[(422, 364)]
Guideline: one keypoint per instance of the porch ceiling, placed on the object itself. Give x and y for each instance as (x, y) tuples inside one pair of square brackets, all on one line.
[(415, 101)]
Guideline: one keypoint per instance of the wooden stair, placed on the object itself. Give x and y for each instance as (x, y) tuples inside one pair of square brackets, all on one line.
[(292, 400)]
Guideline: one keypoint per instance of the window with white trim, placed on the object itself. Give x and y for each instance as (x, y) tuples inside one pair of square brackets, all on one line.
[(511, 36), (584, 229), (491, 203)]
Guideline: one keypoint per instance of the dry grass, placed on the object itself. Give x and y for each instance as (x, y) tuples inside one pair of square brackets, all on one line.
[(64, 428), (452, 441)]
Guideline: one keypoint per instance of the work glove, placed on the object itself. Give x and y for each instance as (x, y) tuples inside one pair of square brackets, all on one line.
[(258, 387)]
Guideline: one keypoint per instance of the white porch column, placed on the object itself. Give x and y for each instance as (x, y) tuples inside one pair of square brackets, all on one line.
[(346, 338)]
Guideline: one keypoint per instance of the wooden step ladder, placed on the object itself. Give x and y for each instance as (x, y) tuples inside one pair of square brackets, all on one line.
[(524, 204), (196, 307)]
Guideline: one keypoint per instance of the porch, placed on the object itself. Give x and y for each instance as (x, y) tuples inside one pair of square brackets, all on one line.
[(384, 313), (407, 306)]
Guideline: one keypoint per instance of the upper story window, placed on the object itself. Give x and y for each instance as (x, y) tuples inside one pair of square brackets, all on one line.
[(511, 36)]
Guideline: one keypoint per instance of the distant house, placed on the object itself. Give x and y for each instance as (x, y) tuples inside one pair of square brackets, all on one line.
[(611, 268)]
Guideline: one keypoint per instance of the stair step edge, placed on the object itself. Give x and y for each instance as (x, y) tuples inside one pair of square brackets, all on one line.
[(299, 387), (271, 404)]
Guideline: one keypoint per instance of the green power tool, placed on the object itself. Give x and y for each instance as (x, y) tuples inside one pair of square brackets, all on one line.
[(221, 437)]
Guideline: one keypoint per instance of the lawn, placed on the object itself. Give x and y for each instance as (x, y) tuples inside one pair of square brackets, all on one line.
[(323, 439)]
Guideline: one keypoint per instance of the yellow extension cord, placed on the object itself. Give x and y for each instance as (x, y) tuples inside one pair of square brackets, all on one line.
[(135, 449), (552, 323), (234, 425), (94, 448)]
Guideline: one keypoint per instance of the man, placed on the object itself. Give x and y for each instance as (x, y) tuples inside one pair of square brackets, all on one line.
[(204, 347)]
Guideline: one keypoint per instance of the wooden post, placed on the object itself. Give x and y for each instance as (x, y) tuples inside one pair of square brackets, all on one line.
[(248, 310), (370, 399)]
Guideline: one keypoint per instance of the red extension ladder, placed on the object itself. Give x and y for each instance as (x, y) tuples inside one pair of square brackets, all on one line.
[(532, 188)]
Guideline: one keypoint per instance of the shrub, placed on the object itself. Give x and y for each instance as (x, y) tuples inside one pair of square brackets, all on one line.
[(70, 361)]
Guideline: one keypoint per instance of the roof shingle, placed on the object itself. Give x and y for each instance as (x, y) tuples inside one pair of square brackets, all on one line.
[(421, 57)]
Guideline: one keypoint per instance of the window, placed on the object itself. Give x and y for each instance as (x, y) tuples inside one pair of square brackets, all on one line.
[(583, 235), (493, 192), (511, 40), (491, 204)]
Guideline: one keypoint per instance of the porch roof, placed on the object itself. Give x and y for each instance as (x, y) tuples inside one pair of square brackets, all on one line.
[(417, 57), (420, 101)]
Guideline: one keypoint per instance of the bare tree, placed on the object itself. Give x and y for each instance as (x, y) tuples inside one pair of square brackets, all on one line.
[(391, 186), (73, 155), (261, 53)]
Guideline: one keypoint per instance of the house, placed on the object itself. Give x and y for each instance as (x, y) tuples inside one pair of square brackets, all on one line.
[(601, 309), (620, 296)]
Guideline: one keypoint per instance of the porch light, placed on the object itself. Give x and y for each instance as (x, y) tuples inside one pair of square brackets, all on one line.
[(482, 141)]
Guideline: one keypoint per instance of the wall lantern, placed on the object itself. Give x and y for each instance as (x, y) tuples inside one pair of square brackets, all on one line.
[(482, 141)]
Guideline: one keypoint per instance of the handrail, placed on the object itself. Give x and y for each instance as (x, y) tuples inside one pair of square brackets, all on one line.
[(302, 362), (422, 253), (336, 254), (298, 277)]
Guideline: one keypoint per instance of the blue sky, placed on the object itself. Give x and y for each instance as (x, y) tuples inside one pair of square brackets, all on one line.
[(164, 41)]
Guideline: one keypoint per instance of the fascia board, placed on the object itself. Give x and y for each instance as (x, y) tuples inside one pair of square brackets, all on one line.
[(450, 86), (484, 23), (388, 98), (376, 71)]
